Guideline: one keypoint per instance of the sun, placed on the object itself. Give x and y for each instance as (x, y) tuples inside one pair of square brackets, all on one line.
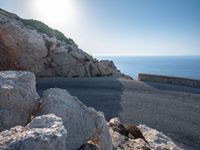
[(54, 12)]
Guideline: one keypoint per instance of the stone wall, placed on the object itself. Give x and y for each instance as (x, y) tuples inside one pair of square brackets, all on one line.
[(169, 80)]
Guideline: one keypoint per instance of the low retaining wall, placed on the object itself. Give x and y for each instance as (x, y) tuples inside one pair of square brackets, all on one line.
[(169, 80)]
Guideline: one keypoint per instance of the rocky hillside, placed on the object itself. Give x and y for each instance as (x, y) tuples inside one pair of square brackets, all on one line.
[(59, 121), (31, 45)]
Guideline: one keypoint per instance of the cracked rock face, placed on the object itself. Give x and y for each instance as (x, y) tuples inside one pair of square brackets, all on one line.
[(18, 98), (82, 123), (22, 47), (157, 140), (147, 138), (43, 132)]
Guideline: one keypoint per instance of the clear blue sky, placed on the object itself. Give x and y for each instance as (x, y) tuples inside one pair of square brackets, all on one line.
[(121, 27)]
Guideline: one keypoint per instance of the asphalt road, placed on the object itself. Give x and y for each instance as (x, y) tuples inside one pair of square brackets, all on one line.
[(173, 110)]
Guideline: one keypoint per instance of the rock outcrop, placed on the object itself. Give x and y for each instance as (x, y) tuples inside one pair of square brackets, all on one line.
[(33, 46), (131, 137), (82, 123), (63, 122), (18, 98), (44, 132)]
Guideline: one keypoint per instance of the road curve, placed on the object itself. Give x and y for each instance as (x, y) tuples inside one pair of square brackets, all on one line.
[(173, 110)]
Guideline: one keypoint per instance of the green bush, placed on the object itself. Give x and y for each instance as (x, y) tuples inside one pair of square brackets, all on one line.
[(43, 28)]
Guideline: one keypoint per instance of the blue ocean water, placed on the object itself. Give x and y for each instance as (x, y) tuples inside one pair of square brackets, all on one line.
[(179, 66)]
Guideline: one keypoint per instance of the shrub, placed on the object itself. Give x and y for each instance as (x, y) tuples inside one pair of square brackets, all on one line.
[(43, 28)]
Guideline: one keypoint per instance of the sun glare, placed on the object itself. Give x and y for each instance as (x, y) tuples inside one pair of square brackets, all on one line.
[(54, 12)]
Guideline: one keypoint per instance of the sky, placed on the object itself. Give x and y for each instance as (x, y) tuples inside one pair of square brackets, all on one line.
[(120, 27)]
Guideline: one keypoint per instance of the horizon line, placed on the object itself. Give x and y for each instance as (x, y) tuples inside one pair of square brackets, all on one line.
[(100, 55)]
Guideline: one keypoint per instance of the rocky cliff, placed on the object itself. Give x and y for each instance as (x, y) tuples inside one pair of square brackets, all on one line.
[(31, 45)]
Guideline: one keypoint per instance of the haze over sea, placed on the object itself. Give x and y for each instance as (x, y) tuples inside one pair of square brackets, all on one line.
[(178, 66)]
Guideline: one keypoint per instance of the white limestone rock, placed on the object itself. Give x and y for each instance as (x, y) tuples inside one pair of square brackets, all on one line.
[(117, 139), (121, 142), (157, 140), (18, 98), (154, 140), (43, 132), (82, 123)]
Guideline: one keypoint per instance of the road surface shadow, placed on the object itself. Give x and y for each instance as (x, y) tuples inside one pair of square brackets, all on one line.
[(103, 94)]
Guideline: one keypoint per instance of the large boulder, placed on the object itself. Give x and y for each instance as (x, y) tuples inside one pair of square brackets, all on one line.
[(33, 46), (82, 123), (42, 133), (18, 98)]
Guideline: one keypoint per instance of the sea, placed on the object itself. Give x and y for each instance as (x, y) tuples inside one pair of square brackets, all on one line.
[(178, 66)]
